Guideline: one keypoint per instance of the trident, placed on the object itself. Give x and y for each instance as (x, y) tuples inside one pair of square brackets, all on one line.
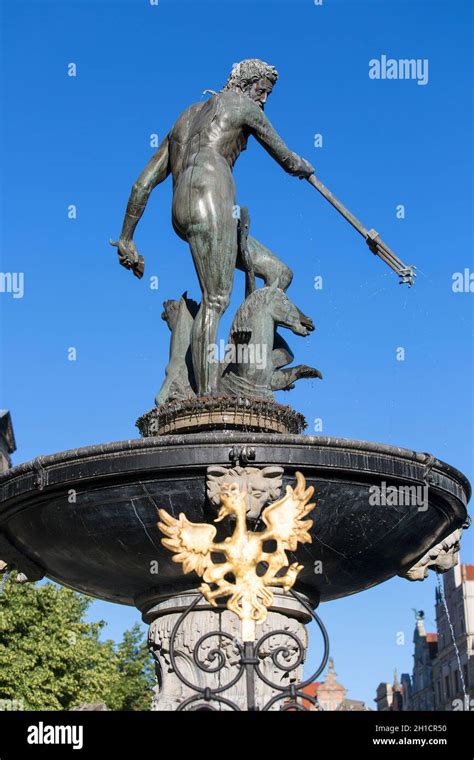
[(372, 237)]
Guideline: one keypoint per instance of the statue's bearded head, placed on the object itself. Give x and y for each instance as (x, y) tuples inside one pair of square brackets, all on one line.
[(254, 78)]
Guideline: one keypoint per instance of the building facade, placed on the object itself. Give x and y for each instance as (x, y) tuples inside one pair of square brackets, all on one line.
[(443, 662), (393, 697), (331, 695), (453, 671), (425, 651)]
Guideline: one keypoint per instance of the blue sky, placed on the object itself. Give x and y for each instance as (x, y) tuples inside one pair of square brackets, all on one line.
[(84, 140)]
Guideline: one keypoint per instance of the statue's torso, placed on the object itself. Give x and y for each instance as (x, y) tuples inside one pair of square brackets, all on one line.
[(209, 131)]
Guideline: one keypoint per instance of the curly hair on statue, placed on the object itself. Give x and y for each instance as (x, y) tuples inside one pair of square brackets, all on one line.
[(248, 71)]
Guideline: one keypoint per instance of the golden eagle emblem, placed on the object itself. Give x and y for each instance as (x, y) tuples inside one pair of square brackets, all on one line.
[(236, 577)]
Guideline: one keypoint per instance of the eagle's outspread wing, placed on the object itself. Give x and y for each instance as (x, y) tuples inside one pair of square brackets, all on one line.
[(284, 518), (191, 543)]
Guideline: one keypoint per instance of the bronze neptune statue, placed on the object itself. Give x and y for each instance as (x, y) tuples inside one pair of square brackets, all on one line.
[(200, 152)]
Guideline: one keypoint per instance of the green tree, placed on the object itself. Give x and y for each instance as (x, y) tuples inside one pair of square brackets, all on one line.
[(51, 659), (136, 669)]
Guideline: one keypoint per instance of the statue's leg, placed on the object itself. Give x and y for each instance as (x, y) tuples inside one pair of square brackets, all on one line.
[(214, 250), (267, 265), (203, 215)]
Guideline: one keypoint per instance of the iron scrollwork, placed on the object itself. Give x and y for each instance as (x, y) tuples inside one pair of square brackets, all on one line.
[(291, 696)]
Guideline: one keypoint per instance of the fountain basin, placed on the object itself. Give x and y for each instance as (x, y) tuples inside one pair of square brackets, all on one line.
[(86, 518)]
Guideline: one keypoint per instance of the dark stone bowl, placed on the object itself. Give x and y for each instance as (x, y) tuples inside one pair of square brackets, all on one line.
[(87, 518)]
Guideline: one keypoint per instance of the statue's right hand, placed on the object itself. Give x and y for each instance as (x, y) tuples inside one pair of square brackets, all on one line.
[(129, 256), (303, 168)]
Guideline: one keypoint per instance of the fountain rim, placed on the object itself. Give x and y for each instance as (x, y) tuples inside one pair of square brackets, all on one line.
[(229, 436)]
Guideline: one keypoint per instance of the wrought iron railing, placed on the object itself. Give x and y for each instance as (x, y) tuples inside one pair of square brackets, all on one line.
[(248, 665)]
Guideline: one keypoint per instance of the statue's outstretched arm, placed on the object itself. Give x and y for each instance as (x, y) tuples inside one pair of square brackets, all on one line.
[(262, 129), (156, 171)]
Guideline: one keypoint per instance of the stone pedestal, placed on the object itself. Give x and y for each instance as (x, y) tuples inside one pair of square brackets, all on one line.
[(221, 654)]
